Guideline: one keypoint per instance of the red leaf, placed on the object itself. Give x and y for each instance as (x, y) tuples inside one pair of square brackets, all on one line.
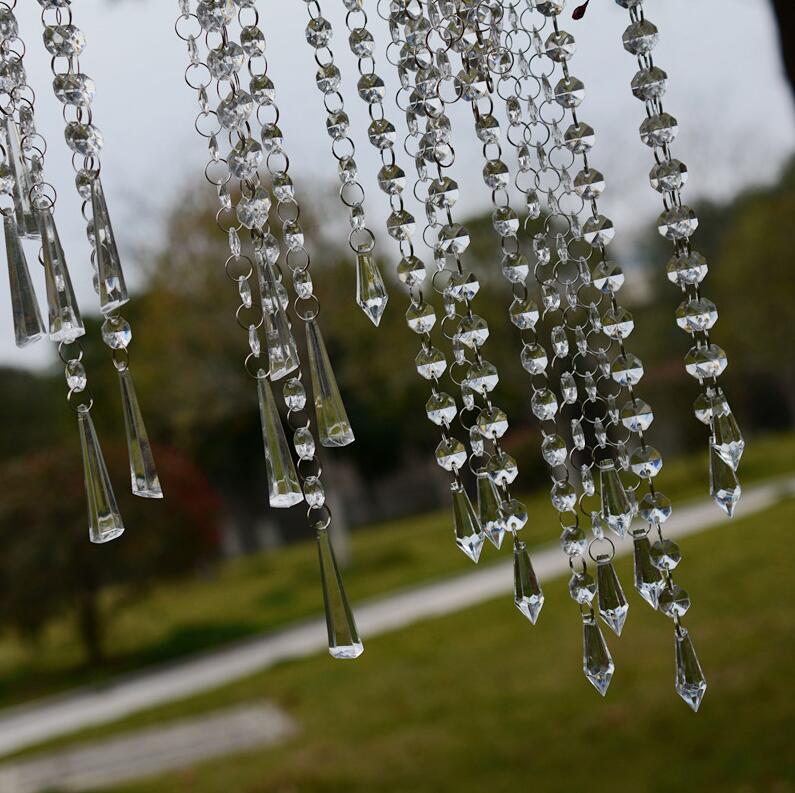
[(579, 12)]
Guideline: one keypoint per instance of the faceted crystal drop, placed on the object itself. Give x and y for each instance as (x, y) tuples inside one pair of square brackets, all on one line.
[(489, 510), (64, 40), (28, 326), (727, 440), (527, 593), (284, 489), (343, 637), (648, 579), (26, 219), (104, 521), (724, 487), (371, 294), (690, 681), (65, 322), (282, 349), (597, 662), (469, 535), (112, 289), (143, 473), (616, 509), (333, 426), (613, 605), (83, 139)]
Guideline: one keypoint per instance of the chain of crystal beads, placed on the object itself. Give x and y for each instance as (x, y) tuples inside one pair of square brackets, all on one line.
[(696, 315), (371, 293), (75, 90)]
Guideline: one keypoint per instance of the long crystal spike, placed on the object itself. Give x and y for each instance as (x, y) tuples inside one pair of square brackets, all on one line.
[(143, 473), (371, 294), (469, 535), (23, 183), (112, 289), (597, 662), (728, 441), (284, 487), (723, 483), (613, 605), (333, 426), (343, 637), (489, 514), (104, 521), (66, 325), (616, 507), (280, 342), (28, 326), (648, 579), (527, 593), (690, 681)]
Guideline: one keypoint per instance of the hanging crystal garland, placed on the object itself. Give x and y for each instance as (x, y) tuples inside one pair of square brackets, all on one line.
[(75, 90), (696, 315), (233, 117)]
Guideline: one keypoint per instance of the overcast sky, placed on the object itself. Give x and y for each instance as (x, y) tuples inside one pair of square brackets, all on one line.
[(726, 89)]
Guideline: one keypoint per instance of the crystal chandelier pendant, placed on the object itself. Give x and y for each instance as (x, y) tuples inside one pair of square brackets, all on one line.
[(648, 579), (613, 605), (528, 596), (23, 183), (112, 288), (143, 472), (616, 508), (690, 681), (597, 662), (489, 512), (279, 340), (284, 487), (469, 535), (343, 637), (371, 294), (334, 428), (723, 483), (28, 326), (104, 521)]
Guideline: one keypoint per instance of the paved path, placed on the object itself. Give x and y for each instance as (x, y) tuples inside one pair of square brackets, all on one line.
[(40, 721), (149, 752)]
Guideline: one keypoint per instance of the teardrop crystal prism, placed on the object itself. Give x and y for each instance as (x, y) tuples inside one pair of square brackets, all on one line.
[(66, 325), (469, 535), (724, 487), (333, 426), (112, 289), (280, 342), (648, 579), (527, 593), (284, 488), (597, 663), (371, 294), (727, 441), (343, 638), (489, 512), (616, 507), (145, 481), (28, 326), (690, 681), (104, 521), (23, 182), (613, 605)]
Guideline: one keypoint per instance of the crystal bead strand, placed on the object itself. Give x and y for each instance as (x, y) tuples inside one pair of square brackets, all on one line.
[(696, 315), (371, 294), (75, 90), (34, 201), (626, 370)]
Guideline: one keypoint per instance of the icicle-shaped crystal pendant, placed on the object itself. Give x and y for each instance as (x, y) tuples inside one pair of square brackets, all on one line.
[(728, 441), (616, 507), (371, 294), (491, 520), (104, 520), (112, 289), (597, 662), (28, 326), (527, 593), (282, 349), (343, 638), (723, 483), (23, 183), (333, 426), (690, 681), (284, 487), (613, 605), (66, 325), (648, 579), (143, 473), (469, 535)]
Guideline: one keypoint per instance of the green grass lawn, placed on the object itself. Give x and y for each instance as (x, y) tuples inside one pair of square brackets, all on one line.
[(257, 593), (480, 700)]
